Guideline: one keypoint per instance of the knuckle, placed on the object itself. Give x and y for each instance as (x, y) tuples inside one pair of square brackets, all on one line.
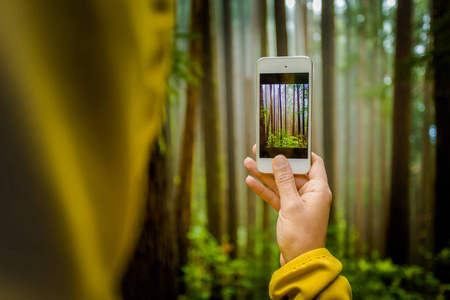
[(264, 194), (320, 159), (284, 178), (328, 195), (293, 205)]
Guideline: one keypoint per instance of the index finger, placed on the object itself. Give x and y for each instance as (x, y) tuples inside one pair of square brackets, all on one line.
[(317, 170)]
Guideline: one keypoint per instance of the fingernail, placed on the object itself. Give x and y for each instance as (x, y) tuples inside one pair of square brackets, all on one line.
[(280, 161)]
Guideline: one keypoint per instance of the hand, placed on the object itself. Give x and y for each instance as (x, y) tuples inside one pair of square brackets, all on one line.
[(302, 201)]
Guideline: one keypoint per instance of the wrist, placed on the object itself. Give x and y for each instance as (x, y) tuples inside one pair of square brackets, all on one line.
[(288, 256)]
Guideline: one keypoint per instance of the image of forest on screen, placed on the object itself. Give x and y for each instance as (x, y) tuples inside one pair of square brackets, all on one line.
[(284, 115)]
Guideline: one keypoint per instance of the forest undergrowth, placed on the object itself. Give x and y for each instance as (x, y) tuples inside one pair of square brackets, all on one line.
[(282, 139), (371, 277)]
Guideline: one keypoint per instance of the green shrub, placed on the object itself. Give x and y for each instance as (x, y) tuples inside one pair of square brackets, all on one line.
[(282, 139), (381, 279), (209, 266)]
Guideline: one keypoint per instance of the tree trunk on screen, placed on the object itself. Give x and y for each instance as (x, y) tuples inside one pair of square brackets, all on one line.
[(301, 116), (299, 101), (275, 110), (156, 250), (441, 65), (280, 108), (229, 87), (304, 121), (398, 234), (262, 126), (293, 111), (280, 28), (183, 194), (272, 108), (328, 92), (285, 108), (270, 119)]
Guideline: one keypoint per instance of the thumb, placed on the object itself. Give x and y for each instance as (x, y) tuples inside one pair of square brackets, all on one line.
[(284, 179)]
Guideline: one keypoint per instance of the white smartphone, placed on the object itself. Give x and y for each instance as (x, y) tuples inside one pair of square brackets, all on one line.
[(284, 102)]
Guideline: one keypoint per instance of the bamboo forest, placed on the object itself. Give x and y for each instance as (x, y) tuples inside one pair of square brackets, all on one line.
[(380, 121)]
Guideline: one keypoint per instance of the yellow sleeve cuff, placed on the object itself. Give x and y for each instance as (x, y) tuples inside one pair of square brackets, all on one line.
[(309, 276)]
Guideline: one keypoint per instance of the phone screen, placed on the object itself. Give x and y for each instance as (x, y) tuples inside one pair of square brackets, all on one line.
[(284, 113)]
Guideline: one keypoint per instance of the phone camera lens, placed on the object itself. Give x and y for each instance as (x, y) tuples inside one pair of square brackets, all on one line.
[(285, 66)]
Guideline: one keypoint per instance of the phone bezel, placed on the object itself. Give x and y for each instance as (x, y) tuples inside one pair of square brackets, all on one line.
[(286, 64)]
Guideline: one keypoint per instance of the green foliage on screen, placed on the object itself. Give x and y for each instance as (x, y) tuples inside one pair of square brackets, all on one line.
[(282, 139)]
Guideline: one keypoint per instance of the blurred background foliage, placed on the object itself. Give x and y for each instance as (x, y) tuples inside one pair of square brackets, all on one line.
[(380, 98)]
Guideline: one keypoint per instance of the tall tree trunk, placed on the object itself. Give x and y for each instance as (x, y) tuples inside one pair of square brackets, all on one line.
[(156, 250), (384, 170), (347, 135), (183, 194), (371, 178), (301, 28), (228, 44), (209, 111), (372, 18), (210, 129), (250, 109), (328, 93), (280, 28), (428, 171), (266, 226), (441, 65), (360, 161), (305, 25), (377, 224), (398, 235)]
